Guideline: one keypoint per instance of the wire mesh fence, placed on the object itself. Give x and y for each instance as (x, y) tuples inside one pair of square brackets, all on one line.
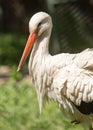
[(73, 22)]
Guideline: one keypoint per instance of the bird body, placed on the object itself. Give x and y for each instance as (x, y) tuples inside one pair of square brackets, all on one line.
[(65, 78)]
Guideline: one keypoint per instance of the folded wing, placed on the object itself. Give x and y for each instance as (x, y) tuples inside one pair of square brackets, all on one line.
[(76, 84)]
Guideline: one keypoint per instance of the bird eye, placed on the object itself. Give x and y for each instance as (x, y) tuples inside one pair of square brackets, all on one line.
[(39, 24)]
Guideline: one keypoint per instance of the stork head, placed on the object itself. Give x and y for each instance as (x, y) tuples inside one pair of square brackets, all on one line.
[(39, 23)]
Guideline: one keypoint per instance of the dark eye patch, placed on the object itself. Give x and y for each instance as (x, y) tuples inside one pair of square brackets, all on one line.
[(39, 24), (42, 22)]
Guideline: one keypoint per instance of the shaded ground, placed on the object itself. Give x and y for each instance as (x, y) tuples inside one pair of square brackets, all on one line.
[(5, 72)]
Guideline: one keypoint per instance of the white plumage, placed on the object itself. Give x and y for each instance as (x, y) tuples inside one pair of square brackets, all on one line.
[(65, 78)]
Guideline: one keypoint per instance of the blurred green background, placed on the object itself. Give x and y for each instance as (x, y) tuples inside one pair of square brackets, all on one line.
[(72, 32)]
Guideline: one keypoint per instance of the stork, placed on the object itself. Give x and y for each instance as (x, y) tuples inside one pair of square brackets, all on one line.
[(65, 78)]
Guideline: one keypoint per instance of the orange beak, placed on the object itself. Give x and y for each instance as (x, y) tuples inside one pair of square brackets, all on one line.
[(32, 38)]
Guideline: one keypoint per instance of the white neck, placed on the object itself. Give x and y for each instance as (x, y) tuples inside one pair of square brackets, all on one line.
[(41, 46), (39, 52)]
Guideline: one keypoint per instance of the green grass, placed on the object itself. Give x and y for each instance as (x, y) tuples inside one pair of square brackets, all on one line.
[(19, 110)]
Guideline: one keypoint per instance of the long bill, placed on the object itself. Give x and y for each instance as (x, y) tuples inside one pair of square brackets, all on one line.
[(31, 39)]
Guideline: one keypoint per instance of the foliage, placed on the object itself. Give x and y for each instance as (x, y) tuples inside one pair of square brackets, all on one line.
[(11, 47), (19, 110)]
